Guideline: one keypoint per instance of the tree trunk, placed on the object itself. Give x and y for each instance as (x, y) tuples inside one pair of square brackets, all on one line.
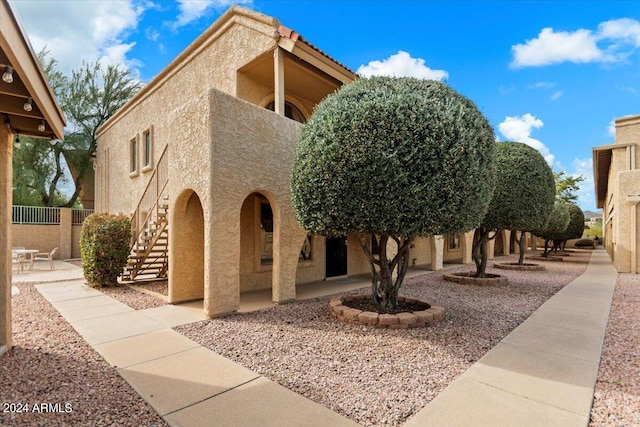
[(480, 240), (384, 290), (546, 247), (522, 247)]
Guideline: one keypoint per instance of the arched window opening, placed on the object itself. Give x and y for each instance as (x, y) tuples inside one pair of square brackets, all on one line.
[(290, 111)]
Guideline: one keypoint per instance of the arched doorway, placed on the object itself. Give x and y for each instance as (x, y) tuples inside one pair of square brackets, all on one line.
[(186, 254), (257, 226)]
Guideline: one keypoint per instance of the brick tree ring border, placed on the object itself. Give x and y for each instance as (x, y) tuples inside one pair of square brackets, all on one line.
[(468, 279), (431, 315), (518, 267)]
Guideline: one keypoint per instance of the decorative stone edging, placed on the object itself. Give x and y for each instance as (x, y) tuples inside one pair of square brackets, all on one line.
[(545, 258), (516, 266), (468, 279), (430, 316)]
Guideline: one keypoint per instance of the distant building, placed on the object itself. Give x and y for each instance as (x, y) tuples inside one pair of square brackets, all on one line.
[(617, 186)]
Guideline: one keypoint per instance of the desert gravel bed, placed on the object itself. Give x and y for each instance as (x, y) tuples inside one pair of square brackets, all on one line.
[(51, 364), (617, 393), (131, 297), (381, 377)]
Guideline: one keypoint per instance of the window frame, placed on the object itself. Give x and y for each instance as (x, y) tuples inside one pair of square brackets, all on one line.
[(147, 150), (134, 169)]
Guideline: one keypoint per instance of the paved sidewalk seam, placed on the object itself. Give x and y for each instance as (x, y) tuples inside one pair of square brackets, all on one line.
[(213, 396), (521, 396)]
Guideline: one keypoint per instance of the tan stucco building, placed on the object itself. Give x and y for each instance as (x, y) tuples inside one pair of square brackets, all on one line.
[(202, 165), (617, 186), (27, 107)]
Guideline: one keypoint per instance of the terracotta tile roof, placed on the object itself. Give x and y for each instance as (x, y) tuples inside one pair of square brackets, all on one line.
[(295, 37)]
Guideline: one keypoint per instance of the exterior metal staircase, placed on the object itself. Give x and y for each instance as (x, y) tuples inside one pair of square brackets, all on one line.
[(149, 257)]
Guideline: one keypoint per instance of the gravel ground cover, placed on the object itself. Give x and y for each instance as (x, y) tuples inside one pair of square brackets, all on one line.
[(133, 298), (60, 377), (380, 377), (375, 377), (617, 392)]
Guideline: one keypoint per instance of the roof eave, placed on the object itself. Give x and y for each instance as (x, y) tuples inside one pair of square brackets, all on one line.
[(16, 46)]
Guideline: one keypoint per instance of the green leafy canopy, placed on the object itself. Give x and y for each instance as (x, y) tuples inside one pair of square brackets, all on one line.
[(525, 189), (394, 156)]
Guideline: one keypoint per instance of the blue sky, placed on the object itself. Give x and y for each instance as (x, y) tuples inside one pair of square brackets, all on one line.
[(551, 74)]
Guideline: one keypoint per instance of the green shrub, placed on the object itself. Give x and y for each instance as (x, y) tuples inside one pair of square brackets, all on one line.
[(584, 243), (104, 247)]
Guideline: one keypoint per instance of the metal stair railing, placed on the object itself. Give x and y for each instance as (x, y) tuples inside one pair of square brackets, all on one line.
[(146, 217)]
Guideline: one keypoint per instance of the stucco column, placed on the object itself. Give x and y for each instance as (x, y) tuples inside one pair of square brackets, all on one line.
[(437, 252), (467, 247), (288, 238), (6, 194), (506, 242), (534, 241), (633, 247), (278, 84), (66, 234)]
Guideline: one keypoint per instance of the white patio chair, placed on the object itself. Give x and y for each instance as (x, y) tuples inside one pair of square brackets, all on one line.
[(18, 259), (46, 256)]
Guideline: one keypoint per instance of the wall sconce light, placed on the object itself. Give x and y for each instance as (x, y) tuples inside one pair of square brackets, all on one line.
[(28, 104), (7, 76), (16, 142), (41, 125)]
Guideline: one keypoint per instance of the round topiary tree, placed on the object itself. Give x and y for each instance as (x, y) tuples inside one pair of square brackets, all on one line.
[(522, 200), (556, 224), (574, 230), (390, 159)]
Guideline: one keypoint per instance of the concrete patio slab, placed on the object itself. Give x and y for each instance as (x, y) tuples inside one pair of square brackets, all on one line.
[(578, 320), (114, 327), (104, 310), (560, 381), (82, 303), (556, 340), (68, 292), (184, 379), (175, 315), (258, 403), (144, 348), (470, 403)]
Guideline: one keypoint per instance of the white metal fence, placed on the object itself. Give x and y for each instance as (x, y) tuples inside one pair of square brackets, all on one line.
[(46, 215)]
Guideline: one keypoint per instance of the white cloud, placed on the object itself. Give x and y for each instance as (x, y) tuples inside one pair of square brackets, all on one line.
[(611, 129), (402, 65), (613, 41), (625, 29), (77, 31), (542, 85), (552, 47), (192, 10), (556, 95), (586, 193), (519, 129)]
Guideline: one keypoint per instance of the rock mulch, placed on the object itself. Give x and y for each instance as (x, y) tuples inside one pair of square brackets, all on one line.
[(62, 381), (617, 393), (381, 377)]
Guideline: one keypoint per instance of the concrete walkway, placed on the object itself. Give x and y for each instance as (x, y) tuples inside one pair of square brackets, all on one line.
[(543, 373)]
